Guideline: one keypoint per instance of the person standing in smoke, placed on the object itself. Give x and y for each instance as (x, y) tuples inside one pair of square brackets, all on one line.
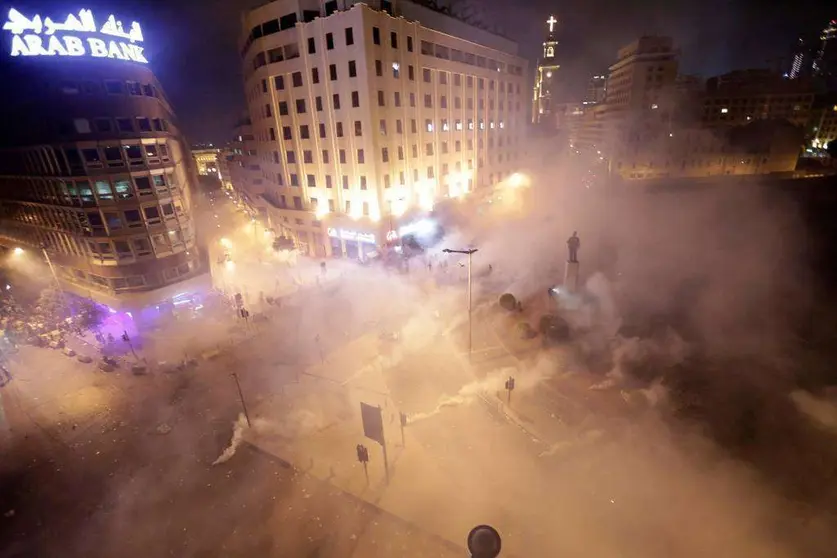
[(574, 243)]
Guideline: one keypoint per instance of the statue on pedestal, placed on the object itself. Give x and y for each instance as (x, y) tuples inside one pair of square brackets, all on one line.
[(574, 243)]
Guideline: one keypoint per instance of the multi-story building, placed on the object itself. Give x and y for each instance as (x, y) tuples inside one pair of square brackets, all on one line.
[(365, 112), (824, 64), (742, 96), (545, 95), (823, 126), (93, 169), (206, 160), (642, 75)]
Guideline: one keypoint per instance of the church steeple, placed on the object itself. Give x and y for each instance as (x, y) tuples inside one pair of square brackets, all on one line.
[(546, 76)]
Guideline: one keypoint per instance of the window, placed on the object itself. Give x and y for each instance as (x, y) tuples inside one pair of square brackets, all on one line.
[(92, 155), (144, 124), (355, 99), (428, 125), (168, 210), (409, 44), (358, 128), (428, 101), (332, 72), (132, 217), (307, 156), (312, 46), (294, 180), (286, 133), (113, 221), (443, 78), (318, 103), (124, 125), (152, 213), (414, 150), (363, 183), (457, 102), (411, 73), (397, 98), (141, 245), (457, 146), (291, 155), (329, 185), (274, 55), (113, 155), (114, 87), (297, 202), (339, 129), (381, 102), (366, 208), (444, 147), (360, 157), (272, 134), (443, 102), (158, 125), (82, 125), (329, 41), (458, 125), (382, 125), (379, 68), (426, 75), (428, 149), (350, 36), (346, 187), (445, 126), (143, 184), (322, 130), (352, 69), (393, 39), (342, 154), (311, 181), (279, 83), (385, 155), (376, 35), (387, 183), (122, 186), (300, 106), (315, 75), (396, 70), (296, 79), (159, 182), (457, 79), (415, 175), (413, 128), (283, 108), (325, 156), (103, 125), (400, 153), (134, 153), (430, 173)]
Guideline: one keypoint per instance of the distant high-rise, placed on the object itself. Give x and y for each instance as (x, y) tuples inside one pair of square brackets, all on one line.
[(596, 90), (546, 77)]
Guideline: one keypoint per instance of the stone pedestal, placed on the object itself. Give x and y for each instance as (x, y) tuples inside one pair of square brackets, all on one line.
[(571, 277)]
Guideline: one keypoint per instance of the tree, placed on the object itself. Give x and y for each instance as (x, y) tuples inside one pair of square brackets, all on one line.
[(90, 315), (831, 148)]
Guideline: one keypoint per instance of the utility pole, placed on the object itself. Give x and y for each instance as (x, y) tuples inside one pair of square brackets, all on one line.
[(470, 253), (241, 396), (403, 417)]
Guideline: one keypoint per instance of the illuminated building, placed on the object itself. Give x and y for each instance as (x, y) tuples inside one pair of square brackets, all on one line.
[(92, 165), (823, 129), (364, 113), (596, 90), (206, 161), (546, 78)]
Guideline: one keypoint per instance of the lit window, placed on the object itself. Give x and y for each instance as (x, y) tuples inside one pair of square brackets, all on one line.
[(724, 110), (428, 125)]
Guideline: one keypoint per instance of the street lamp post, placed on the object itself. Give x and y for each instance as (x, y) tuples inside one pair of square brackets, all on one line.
[(470, 253)]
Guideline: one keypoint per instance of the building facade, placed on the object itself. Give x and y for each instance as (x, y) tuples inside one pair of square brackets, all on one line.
[(94, 171), (546, 79), (742, 96), (364, 113)]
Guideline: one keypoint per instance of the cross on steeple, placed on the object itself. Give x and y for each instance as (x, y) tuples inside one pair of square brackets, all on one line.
[(551, 21)]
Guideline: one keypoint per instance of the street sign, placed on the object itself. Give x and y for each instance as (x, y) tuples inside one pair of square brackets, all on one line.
[(373, 422)]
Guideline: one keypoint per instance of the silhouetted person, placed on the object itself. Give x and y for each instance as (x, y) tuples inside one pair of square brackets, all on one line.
[(574, 243)]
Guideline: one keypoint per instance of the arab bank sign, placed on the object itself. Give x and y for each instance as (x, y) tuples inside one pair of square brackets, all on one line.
[(77, 35)]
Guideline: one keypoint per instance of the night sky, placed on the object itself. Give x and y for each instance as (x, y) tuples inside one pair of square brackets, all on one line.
[(192, 44)]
